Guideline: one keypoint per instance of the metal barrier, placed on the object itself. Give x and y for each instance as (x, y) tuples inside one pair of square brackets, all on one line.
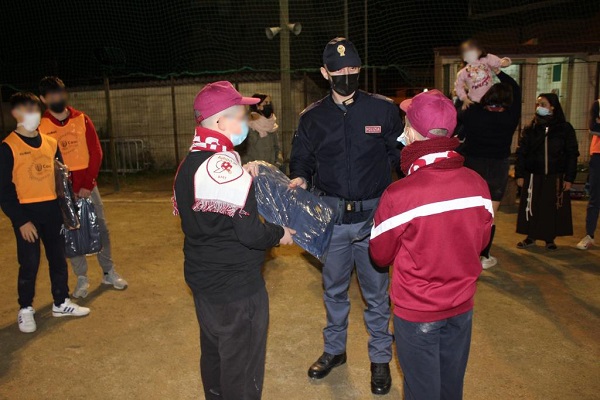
[(131, 156)]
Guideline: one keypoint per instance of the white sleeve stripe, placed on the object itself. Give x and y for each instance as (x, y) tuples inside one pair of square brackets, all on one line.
[(431, 209)]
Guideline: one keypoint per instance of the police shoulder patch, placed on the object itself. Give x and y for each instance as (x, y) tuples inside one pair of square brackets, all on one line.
[(381, 97), (312, 106)]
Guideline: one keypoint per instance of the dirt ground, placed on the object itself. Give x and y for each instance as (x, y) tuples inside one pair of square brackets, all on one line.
[(535, 335)]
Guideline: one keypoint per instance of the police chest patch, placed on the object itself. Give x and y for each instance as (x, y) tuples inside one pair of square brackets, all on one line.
[(373, 129)]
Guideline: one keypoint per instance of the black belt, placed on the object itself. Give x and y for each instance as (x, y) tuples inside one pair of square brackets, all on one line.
[(355, 205)]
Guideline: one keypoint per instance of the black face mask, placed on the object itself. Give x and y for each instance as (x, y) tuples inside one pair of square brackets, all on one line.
[(58, 106), (267, 111), (344, 85)]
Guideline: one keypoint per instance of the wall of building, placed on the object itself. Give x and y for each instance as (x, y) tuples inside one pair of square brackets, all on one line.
[(576, 88), (146, 113)]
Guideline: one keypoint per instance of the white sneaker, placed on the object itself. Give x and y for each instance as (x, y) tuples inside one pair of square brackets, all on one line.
[(586, 243), (69, 309), (488, 262), (81, 290), (26, 320), (114, 279)]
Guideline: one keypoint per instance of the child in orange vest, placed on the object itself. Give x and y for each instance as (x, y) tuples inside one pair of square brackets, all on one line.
[(28, 197)]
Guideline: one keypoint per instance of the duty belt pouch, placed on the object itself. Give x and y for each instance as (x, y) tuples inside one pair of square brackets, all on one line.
[(365, 230), (336, 204)]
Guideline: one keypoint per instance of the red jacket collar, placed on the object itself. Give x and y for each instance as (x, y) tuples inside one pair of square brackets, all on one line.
[(72, 114)]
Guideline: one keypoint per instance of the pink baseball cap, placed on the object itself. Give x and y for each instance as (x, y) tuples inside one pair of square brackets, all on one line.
[(218, 96), (431, 114)]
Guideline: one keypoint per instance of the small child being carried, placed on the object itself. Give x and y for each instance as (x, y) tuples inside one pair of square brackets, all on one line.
[(475, 79)]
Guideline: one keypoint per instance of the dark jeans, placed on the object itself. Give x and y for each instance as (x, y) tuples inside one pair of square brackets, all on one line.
[(433, 356), (28, 255), (593, 209), (233, 340)]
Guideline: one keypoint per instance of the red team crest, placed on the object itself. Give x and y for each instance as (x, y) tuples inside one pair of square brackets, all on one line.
[(223, 169)]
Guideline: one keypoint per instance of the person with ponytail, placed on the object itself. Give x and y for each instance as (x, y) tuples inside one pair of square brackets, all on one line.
[(263, 140), (545, 170)]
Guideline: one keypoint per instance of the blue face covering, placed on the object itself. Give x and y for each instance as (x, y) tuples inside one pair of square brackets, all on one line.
[(543, 111), (240, 137), (402, 139)]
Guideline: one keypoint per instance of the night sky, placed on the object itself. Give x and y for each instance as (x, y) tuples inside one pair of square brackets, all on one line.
[(159, 37)]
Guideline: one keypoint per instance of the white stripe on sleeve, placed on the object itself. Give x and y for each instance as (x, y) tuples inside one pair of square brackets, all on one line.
[(431, 209)]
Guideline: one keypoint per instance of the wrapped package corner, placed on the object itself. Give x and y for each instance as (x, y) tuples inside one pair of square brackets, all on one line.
[(298, 209), (65, 195), (85, 240)]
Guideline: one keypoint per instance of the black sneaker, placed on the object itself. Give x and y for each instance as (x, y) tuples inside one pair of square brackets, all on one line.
[(323, 366), (381, 379)]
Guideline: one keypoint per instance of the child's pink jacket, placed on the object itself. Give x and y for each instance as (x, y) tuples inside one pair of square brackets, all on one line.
[(474, 80)]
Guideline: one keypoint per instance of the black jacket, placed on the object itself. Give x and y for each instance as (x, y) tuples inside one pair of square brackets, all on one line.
[(223, 255), (594, 115), (489, 134), (348, 154), (562, 150)]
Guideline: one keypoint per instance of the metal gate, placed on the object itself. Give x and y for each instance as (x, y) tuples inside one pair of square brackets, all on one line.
[(131, 155)]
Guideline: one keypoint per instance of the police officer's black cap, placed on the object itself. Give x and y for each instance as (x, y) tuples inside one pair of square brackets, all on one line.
[(340, 53)]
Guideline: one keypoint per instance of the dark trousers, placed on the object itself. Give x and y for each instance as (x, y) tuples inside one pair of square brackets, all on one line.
[(433, 356), (233, 341), (593, 209), (28, 255)]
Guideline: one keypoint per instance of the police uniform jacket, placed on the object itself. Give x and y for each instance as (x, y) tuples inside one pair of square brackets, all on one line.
[(348, 151)]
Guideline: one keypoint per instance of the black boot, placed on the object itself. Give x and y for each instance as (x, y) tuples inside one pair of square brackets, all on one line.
[(381, 380), (323, 366)]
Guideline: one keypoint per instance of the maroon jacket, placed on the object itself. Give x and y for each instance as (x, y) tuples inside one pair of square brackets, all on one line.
[(432, 226)]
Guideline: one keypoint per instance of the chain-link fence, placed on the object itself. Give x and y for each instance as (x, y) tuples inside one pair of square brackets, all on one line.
[(150, 58)]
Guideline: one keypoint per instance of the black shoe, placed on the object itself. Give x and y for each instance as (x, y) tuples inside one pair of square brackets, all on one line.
[(323, 366), (381, 380)]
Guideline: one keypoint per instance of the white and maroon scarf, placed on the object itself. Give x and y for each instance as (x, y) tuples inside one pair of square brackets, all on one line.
[(221, 185), (263, 125)]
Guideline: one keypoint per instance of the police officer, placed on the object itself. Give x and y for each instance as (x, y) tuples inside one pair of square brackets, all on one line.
[(345, 150)]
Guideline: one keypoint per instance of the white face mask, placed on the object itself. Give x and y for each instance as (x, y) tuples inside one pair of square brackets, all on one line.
[(31, 121), (470, 56)]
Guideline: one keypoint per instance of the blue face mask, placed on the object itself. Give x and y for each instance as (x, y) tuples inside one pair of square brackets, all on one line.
[(240, 137), (543, 111), (402, 139)]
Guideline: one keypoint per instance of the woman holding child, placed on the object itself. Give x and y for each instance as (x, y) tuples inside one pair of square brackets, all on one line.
[(488, 127)]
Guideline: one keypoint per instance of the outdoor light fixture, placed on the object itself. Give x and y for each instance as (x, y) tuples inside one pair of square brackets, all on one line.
[(294, 28)]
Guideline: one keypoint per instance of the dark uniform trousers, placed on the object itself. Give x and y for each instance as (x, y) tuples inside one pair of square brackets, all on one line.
[(28, 255), (344, 254), (233, 341)]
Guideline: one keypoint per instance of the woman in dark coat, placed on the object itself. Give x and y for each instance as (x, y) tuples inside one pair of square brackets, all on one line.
[(545, 170)]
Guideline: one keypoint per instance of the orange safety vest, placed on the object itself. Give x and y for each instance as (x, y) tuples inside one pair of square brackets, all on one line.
[(595, 146), (71, 139), (33, 170)]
